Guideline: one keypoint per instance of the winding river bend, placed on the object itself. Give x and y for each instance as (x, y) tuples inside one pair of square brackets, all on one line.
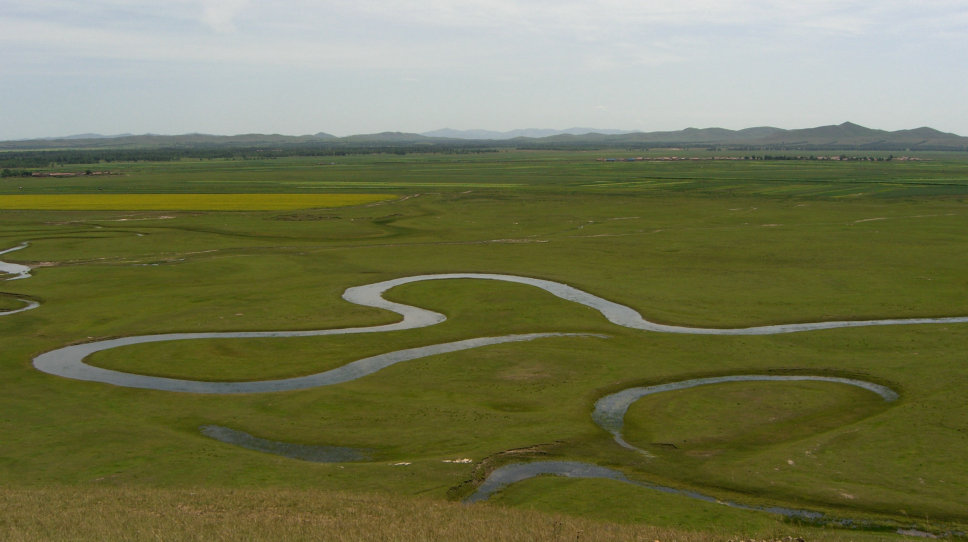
[(609, 411), (19, 272), (517, 472), (68, 362)]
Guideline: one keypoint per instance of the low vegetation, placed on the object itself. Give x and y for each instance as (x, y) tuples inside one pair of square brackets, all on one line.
[(184, 202), (710, 243), (207, 514)]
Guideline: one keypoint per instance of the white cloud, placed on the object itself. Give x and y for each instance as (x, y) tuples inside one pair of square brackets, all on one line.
[(220, 14), (509, 57), (606, 34)]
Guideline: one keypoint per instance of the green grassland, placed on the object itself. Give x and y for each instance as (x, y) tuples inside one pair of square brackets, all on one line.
[(8, 303), (182, 202), (710, 243)]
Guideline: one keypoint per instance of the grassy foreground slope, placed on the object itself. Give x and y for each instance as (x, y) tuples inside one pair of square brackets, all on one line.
[(206, 514), (704, 243)]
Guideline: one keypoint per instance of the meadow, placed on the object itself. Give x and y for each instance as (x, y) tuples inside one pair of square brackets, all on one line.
[(702, 243), (183, 202)]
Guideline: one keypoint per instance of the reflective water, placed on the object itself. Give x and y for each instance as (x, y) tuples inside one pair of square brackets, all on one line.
[(304, 452), (517, 472), (28, 305), (510, 474), (609, 412), (68, 361), (18, 271)]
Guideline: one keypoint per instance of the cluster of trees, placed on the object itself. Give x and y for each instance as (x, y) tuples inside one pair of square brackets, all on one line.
[(47, 158), (50, 158)]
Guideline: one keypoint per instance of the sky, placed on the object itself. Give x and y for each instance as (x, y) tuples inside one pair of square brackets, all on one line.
[(364, 66)]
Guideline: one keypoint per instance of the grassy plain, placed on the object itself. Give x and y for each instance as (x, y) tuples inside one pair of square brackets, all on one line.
[(183, 202), (701, 243), (8, 303)]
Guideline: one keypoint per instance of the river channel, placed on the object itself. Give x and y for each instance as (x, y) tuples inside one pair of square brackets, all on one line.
[(609, 411), (68, 361), (19, 272)]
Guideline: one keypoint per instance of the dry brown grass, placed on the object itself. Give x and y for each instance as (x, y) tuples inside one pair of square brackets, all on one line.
[(285, 514)]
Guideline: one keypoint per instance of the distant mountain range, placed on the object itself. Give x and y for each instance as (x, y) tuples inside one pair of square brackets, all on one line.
[(842, 136), (529, 132)]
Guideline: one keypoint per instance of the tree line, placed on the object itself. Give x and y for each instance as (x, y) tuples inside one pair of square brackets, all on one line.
[(12, 160)]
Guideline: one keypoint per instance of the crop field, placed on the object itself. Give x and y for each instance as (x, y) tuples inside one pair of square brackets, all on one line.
[(272, 245)]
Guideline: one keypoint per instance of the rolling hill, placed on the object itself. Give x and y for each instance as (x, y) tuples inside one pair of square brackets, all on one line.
[(841, 136)]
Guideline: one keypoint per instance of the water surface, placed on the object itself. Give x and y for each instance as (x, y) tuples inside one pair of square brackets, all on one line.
[(303, 452), (17, 270), (69, 361), (516, 472), (609, 413)]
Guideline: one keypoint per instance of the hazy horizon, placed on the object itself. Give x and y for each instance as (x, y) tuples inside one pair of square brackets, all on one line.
[(463, 133), (297, 67)]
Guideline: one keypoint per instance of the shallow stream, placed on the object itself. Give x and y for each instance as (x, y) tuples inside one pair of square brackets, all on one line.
[(19, 272), (609, 411)]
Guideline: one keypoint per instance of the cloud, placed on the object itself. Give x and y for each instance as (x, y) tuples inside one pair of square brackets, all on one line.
[(220, 15), (600, 35)]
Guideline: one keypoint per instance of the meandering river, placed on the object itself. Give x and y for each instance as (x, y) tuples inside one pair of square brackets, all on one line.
[(609, 411), (69, 361), (19, 272)]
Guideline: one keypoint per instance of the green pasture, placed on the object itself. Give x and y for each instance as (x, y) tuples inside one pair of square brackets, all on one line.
[(935, 174), (9, 303), (699, 243), (183, 202)]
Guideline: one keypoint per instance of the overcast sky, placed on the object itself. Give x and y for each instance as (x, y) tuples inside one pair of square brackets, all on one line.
[(363, 66)]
